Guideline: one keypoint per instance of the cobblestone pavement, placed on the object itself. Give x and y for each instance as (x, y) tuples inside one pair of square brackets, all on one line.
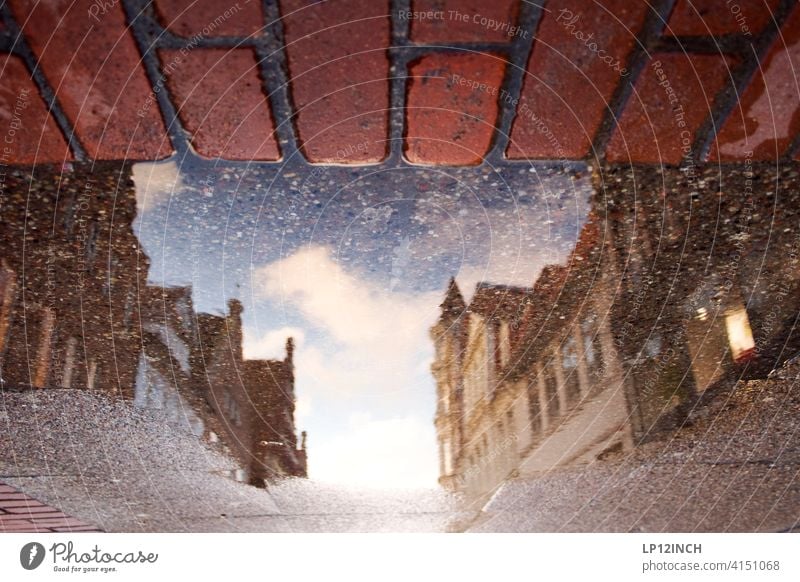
[(734, 466)]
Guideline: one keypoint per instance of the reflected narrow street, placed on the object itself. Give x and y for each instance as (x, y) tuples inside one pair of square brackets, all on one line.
[(226, 348)]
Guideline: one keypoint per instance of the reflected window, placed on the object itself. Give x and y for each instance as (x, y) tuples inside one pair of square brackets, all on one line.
[(570, 353), (505, 344), (740, 336), (447, 454)]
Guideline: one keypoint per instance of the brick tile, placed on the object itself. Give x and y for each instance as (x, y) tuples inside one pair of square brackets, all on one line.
[(31, 510), (10, 524), (339, 72), (53, 513), (7, 488), (33, 134), (766, 119), (716, 17), (443, 21), (218, 92), (12, 505), (452, 108), (8, 516), (11, 518), (12, 496), (76, 529), (652, 129), (210, 18), (94, 68), (569, 81)]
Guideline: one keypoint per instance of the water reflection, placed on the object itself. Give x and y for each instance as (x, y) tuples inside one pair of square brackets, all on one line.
[(350, 262), (565, 314), (668, 294), (80, 311)]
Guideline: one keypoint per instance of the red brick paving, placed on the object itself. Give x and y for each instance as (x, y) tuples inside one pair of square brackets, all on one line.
[(713, 17), (766, 119), (34, 137), (210, 18), (339, 72), (95, 71), (220, 101), (651, 128), (27, 507), (452, 108), (39, 514), (445, 21), (568, 86), (339, 81), (20, 513)]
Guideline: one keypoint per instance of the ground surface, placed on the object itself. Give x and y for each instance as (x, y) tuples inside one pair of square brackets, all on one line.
[(123, 469), (734, 467)]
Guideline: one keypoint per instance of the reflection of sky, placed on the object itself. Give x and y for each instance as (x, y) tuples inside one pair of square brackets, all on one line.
[(353, 263)]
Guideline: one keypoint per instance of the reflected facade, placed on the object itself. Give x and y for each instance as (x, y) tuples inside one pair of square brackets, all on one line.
[(673, 291), (78, 312)]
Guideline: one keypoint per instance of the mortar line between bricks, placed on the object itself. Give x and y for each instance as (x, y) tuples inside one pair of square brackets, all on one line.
[(18, 45), (726, 100), (734, 44), (167, 40), (399, 58), (145, 33), (164, 38), (530, 16), (6, 42), (273, 64), (654, 24), (416, 51)]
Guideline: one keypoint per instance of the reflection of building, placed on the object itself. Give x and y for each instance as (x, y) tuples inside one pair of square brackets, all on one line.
[(76, 312), (193, 369), (539, 376), (664, 297), (71, 272), (254, 397)]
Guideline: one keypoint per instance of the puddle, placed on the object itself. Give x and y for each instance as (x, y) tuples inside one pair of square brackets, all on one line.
[(398, 326)]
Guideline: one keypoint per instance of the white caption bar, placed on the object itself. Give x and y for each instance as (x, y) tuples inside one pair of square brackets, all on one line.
[(379, 557)]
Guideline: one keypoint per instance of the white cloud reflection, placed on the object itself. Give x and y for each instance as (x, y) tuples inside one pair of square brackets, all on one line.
[(155, 183), (393, 453), (371, 350)]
